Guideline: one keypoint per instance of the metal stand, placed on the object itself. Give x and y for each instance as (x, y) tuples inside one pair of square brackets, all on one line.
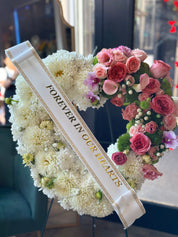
[(47, 216), (126, 234), (93, 226)]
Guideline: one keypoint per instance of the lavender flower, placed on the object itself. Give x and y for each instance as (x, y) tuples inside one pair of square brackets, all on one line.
[(92, 81), (170, 139), (94, 99)]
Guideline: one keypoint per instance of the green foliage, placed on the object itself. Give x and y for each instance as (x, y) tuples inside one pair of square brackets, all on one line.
[(165, 85), (145, 104), (131, 98), (123, 142), (156, 138), (95, 60), (129, 125)]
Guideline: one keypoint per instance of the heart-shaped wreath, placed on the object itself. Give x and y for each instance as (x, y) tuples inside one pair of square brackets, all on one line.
[(118, 74)]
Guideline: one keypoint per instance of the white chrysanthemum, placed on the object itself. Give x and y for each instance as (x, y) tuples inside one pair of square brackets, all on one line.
[(46, 163), (86, 202), (36, 139), (132, 169), (23, 90), (65, 183), (112, 149)]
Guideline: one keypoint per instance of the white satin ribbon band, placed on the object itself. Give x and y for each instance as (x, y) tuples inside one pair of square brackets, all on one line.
[(62, 112)]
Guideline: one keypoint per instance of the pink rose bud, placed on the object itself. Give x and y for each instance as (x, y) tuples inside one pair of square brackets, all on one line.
[(139, 54), (119, 56), (143, 96), (117, 100), (100, 71), (130, 79), (133, 64), (119, 158), (150, 172), (159, 69), (110, 87)]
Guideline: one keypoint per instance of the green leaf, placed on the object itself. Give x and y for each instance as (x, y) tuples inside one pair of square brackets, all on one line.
[(123, 142), (95, 60)]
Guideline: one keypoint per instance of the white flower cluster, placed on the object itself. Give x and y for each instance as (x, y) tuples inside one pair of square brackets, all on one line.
[(55, 168)]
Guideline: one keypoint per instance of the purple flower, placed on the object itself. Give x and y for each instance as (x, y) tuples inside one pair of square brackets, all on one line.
[(92, 81), (170, 139), (125, 50), (92, 97)]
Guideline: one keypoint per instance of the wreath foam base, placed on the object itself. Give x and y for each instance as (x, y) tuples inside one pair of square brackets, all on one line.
[(117, 74)]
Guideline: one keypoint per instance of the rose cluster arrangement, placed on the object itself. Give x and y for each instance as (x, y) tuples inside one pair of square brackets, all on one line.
[(119, 75)]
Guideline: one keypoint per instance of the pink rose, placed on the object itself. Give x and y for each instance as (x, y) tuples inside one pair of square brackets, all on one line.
[(140, 143), (119, 56), (149, 85), (150, 172), (100, 71), (119, 158), (133, 64), (162, 104), (117, 72), (159, 69), (130, 79), (139, 54), (110, 87), (152, 152), (105, 57), (169, 121), (125, 50), (130, 112), (135, 129), (143, 96), (117, 101), (151, 127)]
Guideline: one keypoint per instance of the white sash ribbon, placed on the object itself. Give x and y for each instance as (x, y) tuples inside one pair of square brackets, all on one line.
[(123, 199)]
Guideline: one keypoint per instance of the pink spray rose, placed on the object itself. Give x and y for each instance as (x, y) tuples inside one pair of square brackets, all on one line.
[(117, 72), (119, 56), (159, 69), (143, 96), (162, 104), (140, 144), (133, 64), (100, 71), (139, 54), (149, 85), (135, 129), (117, 101), (150, 172), (130, 112), (152, 152), (119, 158), (110, 87), (130, 79), (169, 121), (105, 57), (151, 127)]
